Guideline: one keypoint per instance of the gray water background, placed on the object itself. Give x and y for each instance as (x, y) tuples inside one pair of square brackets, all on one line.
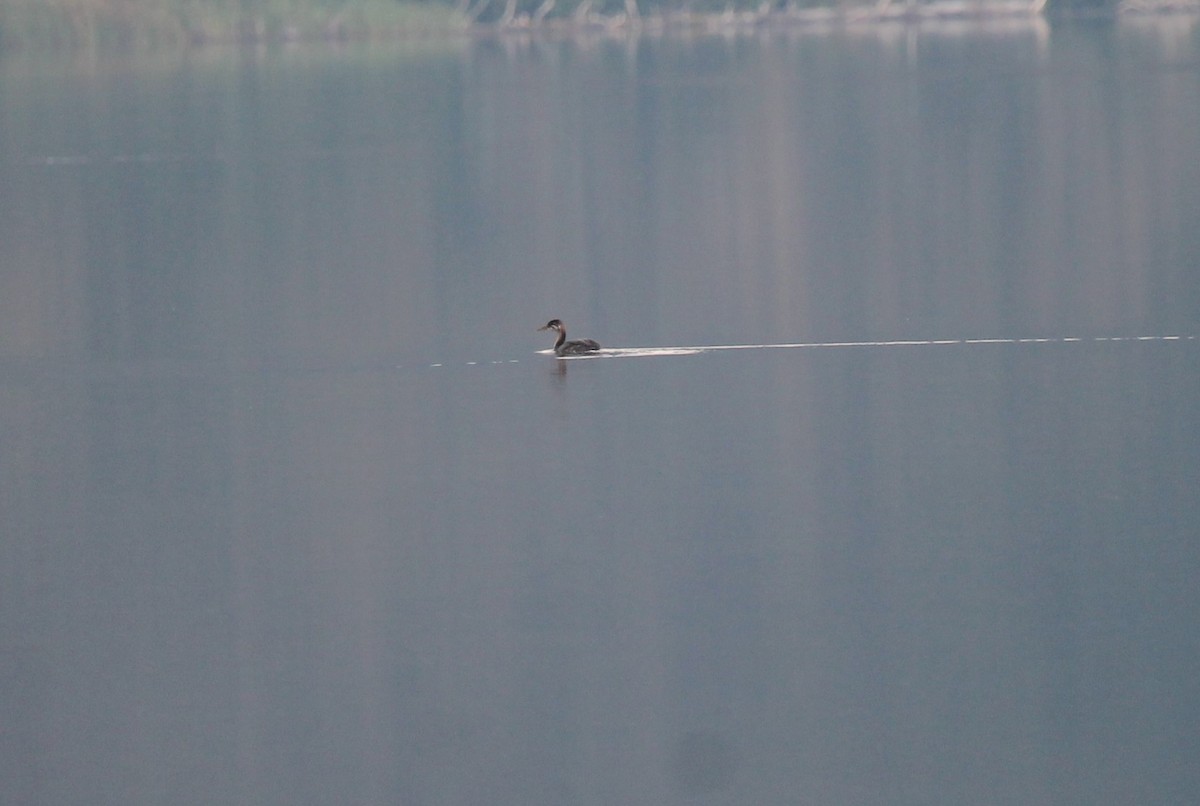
[(292, 511)]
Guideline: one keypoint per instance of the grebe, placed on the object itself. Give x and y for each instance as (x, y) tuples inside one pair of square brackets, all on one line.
[(564, 347)]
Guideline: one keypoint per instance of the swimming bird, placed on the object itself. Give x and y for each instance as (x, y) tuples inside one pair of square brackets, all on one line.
[(564, 347)]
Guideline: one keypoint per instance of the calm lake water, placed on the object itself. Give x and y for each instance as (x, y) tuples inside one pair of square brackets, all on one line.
[(292, 510)]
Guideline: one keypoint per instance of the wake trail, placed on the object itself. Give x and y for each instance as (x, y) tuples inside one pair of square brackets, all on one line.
[(651, 352)]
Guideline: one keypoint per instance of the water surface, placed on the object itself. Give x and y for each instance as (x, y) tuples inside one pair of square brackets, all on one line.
[(294, 511)]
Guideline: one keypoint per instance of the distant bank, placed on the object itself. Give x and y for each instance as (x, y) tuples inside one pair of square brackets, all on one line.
[(60, 24), (74, 24)]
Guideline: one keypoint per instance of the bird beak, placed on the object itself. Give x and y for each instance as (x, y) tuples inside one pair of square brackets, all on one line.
[(544, 327)]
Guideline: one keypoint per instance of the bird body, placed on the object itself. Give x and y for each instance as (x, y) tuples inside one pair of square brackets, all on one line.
[(564, 347)]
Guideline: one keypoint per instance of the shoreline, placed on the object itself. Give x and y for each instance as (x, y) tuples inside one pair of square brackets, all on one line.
[(73, 25)]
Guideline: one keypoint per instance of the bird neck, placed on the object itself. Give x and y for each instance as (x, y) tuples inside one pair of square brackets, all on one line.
[(562, 336)]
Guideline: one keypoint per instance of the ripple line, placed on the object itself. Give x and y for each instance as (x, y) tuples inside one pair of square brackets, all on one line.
[(648, 352)]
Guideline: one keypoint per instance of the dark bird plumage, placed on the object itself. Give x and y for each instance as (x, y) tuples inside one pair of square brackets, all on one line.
[(564, 347)]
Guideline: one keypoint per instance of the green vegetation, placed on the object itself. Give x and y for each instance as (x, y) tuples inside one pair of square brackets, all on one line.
[(96, 23)]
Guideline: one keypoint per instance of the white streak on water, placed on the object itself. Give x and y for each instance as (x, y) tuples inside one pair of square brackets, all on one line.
[(649, 352), (662, 352)]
